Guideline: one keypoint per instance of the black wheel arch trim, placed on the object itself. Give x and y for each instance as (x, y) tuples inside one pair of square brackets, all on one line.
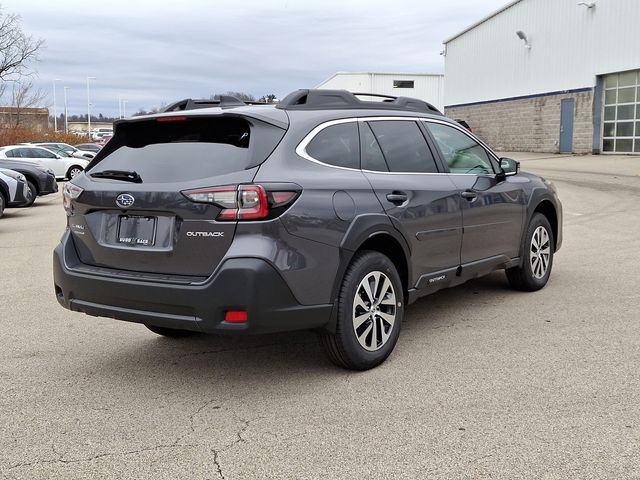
[(537, 198), (362, 228)]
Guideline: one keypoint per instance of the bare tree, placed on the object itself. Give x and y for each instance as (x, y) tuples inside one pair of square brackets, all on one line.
[(17, 49), (24, 96)]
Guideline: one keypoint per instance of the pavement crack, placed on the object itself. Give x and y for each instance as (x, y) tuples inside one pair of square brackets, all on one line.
[(217, 464), (99, 456), (192, 418)]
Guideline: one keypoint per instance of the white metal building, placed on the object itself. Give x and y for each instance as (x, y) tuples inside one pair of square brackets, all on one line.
[(427, 87), (550, 76)]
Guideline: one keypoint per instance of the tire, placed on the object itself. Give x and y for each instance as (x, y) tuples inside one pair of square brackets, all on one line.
[(33, 192), (74, 171), (537, 257), (170, 332), (365, 336), (2, 204)]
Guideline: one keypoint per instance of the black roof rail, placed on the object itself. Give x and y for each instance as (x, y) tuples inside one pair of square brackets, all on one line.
[(335, 99), (226, 101)]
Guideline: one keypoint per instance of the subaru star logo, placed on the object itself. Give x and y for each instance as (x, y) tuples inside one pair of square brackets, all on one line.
[(125, 200)]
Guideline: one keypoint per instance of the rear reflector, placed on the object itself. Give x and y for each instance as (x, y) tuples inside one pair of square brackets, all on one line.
[(235, 316)]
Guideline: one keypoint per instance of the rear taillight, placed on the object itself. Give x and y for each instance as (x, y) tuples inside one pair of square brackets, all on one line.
[(70, 192), (243, 202)]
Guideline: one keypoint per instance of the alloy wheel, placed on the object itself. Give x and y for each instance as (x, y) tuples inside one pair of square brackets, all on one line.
[(374, 311), (540, 252)]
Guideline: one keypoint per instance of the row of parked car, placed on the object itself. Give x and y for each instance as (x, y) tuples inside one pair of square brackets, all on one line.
[(30, 170)]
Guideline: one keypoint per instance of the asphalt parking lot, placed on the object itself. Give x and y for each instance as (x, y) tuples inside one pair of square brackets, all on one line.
[(485, 382)]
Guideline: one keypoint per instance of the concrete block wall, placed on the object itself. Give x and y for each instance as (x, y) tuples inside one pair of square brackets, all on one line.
[(529, 124)]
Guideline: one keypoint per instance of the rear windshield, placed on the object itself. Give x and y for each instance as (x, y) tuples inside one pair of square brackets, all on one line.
[(187, 148)]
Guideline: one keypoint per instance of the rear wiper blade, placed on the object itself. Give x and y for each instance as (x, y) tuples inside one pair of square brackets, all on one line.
[(125, 175)]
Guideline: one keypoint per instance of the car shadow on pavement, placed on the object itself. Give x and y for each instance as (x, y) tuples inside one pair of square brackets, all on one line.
[(289, 354)]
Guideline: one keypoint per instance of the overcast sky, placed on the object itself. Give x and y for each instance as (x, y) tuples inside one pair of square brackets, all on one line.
[(150, 52)]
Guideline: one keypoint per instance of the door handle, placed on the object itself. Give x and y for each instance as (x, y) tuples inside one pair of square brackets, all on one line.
[(469, 195), (397, 197)]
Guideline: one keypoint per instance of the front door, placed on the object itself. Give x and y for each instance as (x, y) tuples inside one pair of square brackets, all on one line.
[(492, 210), (566, 125)]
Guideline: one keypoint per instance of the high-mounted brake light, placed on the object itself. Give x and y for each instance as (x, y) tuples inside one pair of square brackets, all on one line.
[(242, 202), (171, 119)]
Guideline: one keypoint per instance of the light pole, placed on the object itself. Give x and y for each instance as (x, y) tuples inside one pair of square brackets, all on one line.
[(89, 105), (55, 112), (124, 108), (119, 106), (66, 112)]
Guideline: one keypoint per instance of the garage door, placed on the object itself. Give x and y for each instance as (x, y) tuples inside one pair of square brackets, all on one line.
[(621, 133)]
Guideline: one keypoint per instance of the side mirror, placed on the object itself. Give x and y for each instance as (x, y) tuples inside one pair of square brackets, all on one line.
[(58, 156), (509, 166)]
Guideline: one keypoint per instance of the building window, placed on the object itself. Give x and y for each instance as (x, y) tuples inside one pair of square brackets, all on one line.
[(621, 129), (403, 84)]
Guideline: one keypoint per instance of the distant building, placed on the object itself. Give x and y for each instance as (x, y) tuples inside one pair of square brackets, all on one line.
[(32, 118), (83, 127), (550, 76), (425, 86)]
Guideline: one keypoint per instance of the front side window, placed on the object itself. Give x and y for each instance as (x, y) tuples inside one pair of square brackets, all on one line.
[(403, 146), (337, 145), (461, 152)]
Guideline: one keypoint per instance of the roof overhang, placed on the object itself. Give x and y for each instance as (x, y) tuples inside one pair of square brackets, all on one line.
[(480, 22)]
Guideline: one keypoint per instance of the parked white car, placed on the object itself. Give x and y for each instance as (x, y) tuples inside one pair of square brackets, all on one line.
[(98, 133), (66, 148), (62, 167)]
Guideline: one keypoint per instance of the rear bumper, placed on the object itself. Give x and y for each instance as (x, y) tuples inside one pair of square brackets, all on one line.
[(249, 284)]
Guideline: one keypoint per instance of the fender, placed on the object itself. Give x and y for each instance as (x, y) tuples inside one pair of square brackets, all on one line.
[(539, 195), (360, 230)]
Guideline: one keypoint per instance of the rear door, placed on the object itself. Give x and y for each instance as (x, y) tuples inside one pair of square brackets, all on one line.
[(421, 200), (148, 224), (492, 209), (49, 160)]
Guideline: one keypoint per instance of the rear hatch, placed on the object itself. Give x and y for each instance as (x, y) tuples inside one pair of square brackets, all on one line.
[(132, 213)]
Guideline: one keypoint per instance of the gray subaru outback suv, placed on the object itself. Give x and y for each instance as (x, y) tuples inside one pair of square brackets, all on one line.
[(324, 212)]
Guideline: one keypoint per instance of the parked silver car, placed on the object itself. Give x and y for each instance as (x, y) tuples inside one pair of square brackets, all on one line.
[(14, 191)]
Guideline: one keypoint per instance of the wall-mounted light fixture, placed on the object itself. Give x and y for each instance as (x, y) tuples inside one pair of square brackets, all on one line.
[(524, 38), (588, 4)]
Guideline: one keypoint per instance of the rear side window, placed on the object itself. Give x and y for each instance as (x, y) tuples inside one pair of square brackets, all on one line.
[(337, 145), (372, 157), (404, 147), (38, 153), (188, 148), (15, 153)]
